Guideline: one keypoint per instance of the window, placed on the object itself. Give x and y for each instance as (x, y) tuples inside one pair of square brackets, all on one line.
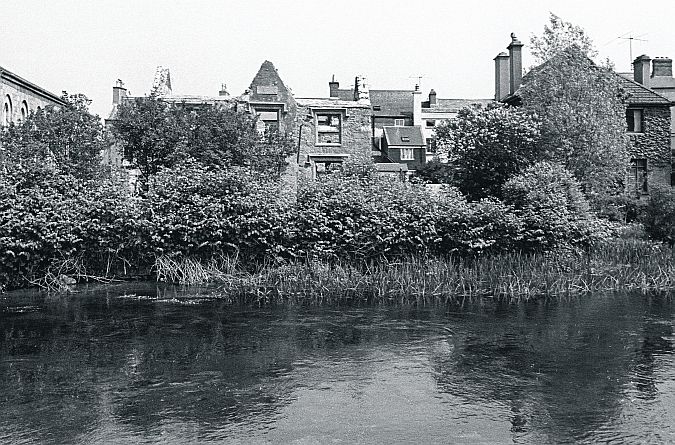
[(407, 154), (7, 110), (431, 145), (431, 123), (329, 128), (268, 118), (638, 175), (634, 120), (24, 110), (399, 122)]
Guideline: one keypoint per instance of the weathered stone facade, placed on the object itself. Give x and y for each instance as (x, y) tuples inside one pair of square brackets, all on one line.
[(19, 97), (653, 144), (350, 133)]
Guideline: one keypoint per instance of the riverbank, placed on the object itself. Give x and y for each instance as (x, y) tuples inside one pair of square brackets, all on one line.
[(616, 266)]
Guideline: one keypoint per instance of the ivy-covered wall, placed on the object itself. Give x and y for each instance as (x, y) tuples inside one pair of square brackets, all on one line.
[(653, 143)]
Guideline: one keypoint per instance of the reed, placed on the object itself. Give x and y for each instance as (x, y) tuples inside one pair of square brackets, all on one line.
[(616, 266)]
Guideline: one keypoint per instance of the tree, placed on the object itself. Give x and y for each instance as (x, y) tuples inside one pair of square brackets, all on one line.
[(487, 146), (150, 132), (155, 134), (67, 138), (581, 108)]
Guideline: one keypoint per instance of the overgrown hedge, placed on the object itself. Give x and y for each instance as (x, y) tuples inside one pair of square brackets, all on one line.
[(48, 220)]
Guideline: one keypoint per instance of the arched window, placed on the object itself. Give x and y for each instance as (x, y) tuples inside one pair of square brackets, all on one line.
[(7, 110), (24, 110)]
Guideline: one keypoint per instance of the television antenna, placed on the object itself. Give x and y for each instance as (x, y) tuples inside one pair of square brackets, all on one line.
[(630, 37), (419, 78)]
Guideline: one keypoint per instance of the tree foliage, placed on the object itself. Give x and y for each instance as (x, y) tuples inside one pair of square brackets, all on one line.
[(487, 146), (155, 134), (581, 108), (68, 138)]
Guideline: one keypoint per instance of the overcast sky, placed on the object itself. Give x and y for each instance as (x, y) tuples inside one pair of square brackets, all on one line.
[(84, 46)]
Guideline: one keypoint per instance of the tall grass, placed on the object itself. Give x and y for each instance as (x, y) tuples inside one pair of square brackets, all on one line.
[(620, 265)]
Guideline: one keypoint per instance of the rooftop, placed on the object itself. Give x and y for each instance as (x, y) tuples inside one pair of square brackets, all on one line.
[(404, 136)]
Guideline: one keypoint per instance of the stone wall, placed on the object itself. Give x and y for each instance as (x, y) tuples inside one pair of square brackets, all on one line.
[(355, 145), (19, 96), (653, 144)]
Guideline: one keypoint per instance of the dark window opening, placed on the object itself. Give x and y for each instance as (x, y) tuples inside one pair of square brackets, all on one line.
[(329, 128), (634, 120)]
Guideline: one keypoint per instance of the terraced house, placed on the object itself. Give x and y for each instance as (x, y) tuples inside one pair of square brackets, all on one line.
[(648, 112)]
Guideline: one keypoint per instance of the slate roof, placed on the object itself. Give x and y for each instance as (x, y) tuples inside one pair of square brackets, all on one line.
[(18, 80), (452, 105), (331, 103), (639, 94), (392, 102), (395, 136), (386, 167)]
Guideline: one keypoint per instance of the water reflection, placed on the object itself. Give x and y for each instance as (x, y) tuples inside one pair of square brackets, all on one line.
[(141, 364)]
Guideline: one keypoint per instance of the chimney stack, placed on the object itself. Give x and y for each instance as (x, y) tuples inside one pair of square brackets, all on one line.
[(119, 92), (223, 90), (515, 63), (641, 70), (361, 91), (417, 106), (432, 98), (662, 67), (333, 86), (502, 76)]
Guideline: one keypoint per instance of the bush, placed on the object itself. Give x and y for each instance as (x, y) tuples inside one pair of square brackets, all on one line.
[(659, 214), (204, 212), (549, 203)]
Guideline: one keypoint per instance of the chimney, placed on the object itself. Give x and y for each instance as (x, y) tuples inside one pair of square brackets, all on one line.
[(119, 92), (641, 70), (223, 90), (361, 89), (417, 106), (502, 76), (333, 86), (432, 98), (662, 67), (515, 63)]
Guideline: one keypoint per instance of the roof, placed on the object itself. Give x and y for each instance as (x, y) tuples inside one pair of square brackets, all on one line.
[(345, 94), (452, 105), (392, 102), (639, 94), (404, 136), (331, 103), (391, 167), (10, 76)]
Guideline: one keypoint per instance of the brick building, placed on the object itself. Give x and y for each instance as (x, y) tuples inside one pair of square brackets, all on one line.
[(19, 97)]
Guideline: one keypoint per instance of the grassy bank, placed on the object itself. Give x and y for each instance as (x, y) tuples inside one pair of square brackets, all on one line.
[(619, 265)]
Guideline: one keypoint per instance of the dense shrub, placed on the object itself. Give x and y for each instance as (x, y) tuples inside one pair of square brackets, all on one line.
[(659, 214), (209, 212), (549, 203)]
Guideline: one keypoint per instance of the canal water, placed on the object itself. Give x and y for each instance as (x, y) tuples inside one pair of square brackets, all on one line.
[(141, 364)]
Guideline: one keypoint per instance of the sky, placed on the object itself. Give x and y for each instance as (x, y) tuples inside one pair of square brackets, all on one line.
[(84, 46)]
